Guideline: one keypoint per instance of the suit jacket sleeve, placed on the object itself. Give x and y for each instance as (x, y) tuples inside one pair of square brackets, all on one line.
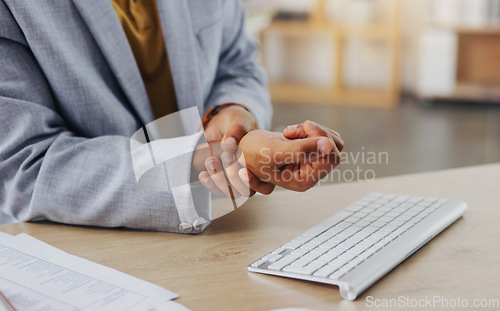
[(239, 78), (48, 172)]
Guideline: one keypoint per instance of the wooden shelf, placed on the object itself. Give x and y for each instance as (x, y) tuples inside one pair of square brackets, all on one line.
[(337, 93), (464, 29), (472, 92), (304, 28), (477, 64), (295, 93)]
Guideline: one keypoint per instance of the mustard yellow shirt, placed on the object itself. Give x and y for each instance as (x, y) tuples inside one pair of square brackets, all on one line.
[(141, 22)]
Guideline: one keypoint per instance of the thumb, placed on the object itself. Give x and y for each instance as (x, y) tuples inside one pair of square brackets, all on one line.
[(299, 150)]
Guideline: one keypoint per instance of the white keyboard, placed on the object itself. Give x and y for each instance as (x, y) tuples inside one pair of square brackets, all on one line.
[(360, 244)]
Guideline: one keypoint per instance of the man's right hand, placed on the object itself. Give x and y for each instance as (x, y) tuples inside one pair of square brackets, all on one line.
[(295, 164)]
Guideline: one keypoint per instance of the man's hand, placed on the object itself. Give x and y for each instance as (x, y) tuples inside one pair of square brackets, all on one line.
[(296, 164), (230, 125), (227, 128), (313, 129)]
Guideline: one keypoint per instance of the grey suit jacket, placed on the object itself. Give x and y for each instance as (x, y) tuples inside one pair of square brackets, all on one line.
[(71, 96)]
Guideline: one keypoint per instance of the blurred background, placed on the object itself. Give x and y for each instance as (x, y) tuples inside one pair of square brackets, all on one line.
[(417, 82)]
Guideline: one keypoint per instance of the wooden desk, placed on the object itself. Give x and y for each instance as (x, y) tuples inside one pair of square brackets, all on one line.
[(209, 270)]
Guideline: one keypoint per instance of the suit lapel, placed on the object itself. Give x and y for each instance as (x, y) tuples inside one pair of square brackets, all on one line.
[(180, 41), (104, 25)]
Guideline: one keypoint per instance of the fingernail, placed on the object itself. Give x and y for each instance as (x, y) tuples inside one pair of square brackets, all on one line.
[(210, 165), (313, 157), (292, 127), (324, 145), (227, 158), (230, 141), (244, 175), (203, 177)]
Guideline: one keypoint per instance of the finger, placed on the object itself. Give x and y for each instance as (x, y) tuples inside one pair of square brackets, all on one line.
[(339, 143), (237, 132), (295, 131), (208, 183), (232, 168), (216, 171), (298, 150), (310, 129), (229, 144), (254, 183)]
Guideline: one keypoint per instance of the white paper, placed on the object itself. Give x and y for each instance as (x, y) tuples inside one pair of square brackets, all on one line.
[(38, 276)]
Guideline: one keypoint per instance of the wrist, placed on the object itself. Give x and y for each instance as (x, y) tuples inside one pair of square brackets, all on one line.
[(214, 111)]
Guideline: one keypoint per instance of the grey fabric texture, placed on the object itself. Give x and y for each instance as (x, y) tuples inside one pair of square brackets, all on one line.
[(71, 95)]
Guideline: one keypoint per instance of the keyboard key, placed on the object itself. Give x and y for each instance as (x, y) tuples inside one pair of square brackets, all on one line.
[(375, 205), (377, 214), (258, 263), (325, 271), (310, 257), (392, 214), (338, 274), (285, 261), (370, 218), (301, 239), (345, 246), (274, 258), (363, 223), (278, 251), (390, 205), (396, 223), (356, 250), (354, 207), (425, 212), (435, 206), (327, 257), (317, 263), (336, 251), (368, 230), (378, 224), (349, 266), (414, 220), (424, 204), (406, 205), (338, 262), (386, 218), (366, 244), (415, 199), (300, 251), (356, 261), (319, 250), (385, 209), (292, 245), (418, 208), (300, 270), (361, 214), (403, 218), (411, 213), (300, 263), (267, 256), (310, 245), (320, 239), (400, 198)]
